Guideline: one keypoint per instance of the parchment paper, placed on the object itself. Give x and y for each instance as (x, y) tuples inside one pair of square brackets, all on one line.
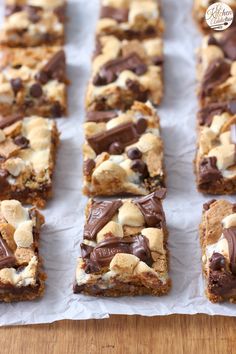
[(64, 214)]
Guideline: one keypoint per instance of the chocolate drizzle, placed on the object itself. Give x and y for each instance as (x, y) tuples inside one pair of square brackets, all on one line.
[(7, 259), (100, 214), (101, 255), (151, 208), (230, 235)]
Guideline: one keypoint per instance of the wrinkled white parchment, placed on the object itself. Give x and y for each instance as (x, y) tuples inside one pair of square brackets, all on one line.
[(64, 214)]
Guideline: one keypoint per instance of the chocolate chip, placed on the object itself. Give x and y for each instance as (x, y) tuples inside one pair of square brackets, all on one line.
[(11, 9), (157, 60), (115, 149), (60, 12), (3, 173), (206, 206), (140, 167), (134, 86), (42, 77), (16, 85), (89, 165), (21, 141), (36, 90), (56, 110), (134, 153), (217, 261), (141, 125), (212, 41), (234, 208), (118, 14)]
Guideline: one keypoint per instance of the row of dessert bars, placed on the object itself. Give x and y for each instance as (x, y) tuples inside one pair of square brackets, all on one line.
[(32, 89), (124, 248), (215, 162)]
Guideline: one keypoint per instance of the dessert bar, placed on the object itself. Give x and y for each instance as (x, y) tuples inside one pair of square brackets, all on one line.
[(199, 10), (33, 82), (215, 162), (27, 157), (216, 69), (21, 277), (123, 152), (130, 19), (218, 237), (124, 71), (30, 23), (124, 249)]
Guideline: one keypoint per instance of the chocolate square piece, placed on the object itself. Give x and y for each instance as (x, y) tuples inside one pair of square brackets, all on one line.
[(28, 149), (218, 242), (216, 69), (215, 162), (123, 154), (30, 23), (124, 71), (21, 277), (33, 82), (124, 248), (131, 19)]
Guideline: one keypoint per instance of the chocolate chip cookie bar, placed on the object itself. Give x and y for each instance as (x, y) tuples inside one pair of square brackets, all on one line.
[(27, 157), (131, 19), (216, 153), (218, 240), (21, 277), (124, 248), (199, 10), (33, 82), (216, 69), (30, 23), (124, 71), (123, 152)]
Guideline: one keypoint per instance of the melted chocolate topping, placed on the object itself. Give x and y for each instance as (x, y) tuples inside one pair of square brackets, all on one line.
[(7, 259), (230, 235)]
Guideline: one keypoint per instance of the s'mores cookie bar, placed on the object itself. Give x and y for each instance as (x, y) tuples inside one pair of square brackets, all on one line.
[(218, 240), (131, 19), (30, 23), (123, 152), (27, 157), (199, 10), (216, 68), (33, 82), (124, 71), (216, 153), (124, 249), (21, 277)]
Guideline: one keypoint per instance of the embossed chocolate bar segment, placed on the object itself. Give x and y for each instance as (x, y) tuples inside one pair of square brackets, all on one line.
[(216, 69), (131, 19), (124, 71), (124, 154), (218, 243), (33, 82), (20, 266), (127, 253), (215, 163), (28, 149), (29, 24)]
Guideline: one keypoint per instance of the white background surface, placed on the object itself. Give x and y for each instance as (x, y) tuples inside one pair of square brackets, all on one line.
[(62, 234)]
